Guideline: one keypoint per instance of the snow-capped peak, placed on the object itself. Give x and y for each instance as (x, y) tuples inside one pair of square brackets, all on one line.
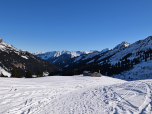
[(47, 55), (122, 45)]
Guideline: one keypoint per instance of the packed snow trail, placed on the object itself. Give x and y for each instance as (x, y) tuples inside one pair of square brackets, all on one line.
[(75, 95)]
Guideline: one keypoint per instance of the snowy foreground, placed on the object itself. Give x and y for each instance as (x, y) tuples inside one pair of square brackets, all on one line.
[(75, 95)]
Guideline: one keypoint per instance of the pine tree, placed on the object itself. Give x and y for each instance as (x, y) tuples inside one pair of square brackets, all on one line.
[(131, 64), (2, 75), (129, 77), (145, 57), (28, 74), (18, 73), (118, 64), (39, 73), (15, 73)]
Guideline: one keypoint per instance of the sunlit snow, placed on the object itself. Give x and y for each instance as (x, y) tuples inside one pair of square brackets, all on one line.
[(74, 95)]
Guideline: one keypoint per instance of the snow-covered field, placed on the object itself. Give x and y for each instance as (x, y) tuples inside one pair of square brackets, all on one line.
[(75, 95)]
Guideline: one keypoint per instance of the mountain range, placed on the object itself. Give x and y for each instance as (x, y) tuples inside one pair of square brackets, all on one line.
[(56, 57), (65, 58), (124, 53), (130, 60)]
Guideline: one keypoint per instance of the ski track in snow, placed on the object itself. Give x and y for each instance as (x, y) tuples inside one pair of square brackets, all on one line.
[(75, 95)]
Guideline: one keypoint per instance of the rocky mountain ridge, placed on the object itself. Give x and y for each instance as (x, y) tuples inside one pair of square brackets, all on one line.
[(60, 56), (11, 57)]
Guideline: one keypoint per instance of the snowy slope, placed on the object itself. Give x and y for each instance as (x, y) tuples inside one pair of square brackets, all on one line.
[(4, 72), (141, 45), (91, 55), (102, 54), (75, 95), (115, 50), (142, 70)]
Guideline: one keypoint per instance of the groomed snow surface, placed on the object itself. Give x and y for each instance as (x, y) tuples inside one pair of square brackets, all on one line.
[(75, 95)]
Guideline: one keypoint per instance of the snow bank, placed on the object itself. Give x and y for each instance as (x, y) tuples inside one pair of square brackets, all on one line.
[(5, 73)]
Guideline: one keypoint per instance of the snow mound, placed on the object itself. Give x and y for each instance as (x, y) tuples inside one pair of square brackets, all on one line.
[(5, 73)]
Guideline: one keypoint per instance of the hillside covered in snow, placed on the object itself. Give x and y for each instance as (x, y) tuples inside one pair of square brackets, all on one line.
[(11, 57)]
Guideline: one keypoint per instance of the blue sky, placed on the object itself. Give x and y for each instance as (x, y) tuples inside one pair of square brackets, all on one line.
[(52, 25)]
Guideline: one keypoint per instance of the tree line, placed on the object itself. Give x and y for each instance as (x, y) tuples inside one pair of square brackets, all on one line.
[(15, 73)]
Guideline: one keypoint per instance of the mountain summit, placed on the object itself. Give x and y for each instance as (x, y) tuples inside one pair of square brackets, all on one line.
[(60, 56), (122, 45)]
